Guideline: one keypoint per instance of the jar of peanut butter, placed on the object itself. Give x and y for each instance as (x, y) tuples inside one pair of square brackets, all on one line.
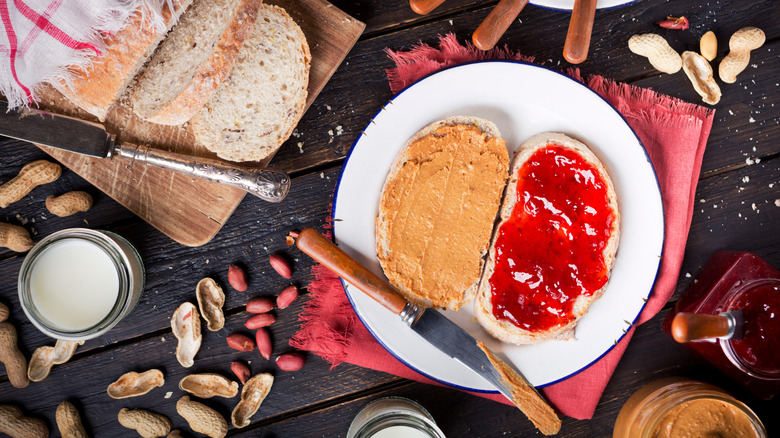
[(680, 407)]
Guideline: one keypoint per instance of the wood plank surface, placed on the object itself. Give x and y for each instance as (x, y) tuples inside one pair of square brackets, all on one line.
[(735, 209), (189, 210)]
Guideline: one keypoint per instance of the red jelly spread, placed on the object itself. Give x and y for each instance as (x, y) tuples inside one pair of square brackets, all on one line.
[(758, 348), (551, 250), (739, 280)]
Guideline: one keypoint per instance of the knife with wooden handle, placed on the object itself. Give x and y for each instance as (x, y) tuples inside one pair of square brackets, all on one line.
[(575, 49), (496, 23), (424, 7), (71, 134), (436, 329)]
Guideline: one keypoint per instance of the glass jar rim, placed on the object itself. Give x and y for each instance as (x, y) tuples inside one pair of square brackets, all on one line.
[(693, 390), (728, 302), (114, 252)]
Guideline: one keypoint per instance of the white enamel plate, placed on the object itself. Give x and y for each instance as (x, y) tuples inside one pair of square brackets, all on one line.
[(567, 5), (522, 100)]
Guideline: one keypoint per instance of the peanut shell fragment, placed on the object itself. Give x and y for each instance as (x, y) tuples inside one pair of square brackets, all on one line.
[(15, 424), (660, 54), (146, 423), (133, 384), (13, 359), (252, 395), (44, 358), (708, 46), (69, 203), (175, 434), (208, 385), (69, 421), (210, 301), (185, 324), (700, 73), (15, 238), (4, 312), (31, 176), (202, 418), (740, 45)]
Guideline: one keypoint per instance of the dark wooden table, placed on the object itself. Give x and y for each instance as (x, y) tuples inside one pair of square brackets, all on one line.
[(735, 209)]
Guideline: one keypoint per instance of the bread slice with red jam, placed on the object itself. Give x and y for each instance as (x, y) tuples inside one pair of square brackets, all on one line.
[(552, 252)]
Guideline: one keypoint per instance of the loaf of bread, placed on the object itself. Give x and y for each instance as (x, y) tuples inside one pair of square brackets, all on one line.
[(193, 60), (96, 88), (438, 208), (553, 249), (255, 109)]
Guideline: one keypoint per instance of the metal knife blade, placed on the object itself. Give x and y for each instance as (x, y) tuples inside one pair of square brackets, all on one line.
[(57, 131), (436, 329), (448, 337), (91, 139)]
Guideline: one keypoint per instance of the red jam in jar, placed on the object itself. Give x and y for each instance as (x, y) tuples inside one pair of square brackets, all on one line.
[(739, 281), (551, 250)]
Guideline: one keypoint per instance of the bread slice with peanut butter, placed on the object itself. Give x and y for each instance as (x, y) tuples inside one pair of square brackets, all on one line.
[(438, 208)]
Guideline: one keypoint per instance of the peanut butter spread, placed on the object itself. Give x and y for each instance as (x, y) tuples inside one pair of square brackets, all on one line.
[(706, 418), (437, 213)]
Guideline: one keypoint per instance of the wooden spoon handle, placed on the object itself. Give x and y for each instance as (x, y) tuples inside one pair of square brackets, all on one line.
[(688, 327), (496, 23), (332, 257), (575, 49), (423, 7)]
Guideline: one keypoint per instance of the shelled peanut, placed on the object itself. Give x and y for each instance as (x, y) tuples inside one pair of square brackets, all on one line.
[(69, 421), (741, 44), (15, 238), (146, 423), (15, 424), (13, 359), (31, 176), (202, 418), (69, 203)]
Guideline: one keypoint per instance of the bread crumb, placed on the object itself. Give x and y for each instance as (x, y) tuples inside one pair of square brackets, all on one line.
[(745, 179), (168, 394), (687, 275), (752, 120), (753, 206), (300, 146), (777, 202)]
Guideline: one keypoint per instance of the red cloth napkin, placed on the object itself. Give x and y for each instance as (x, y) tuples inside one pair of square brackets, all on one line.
[(673, 132), (42, 40)]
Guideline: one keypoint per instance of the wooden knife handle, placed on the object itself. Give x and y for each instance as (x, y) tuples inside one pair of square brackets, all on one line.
[(423, 7), (575, 49), (688, 327), (332, 257), (496, 23)]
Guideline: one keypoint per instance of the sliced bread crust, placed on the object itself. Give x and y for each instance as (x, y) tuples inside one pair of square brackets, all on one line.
[(256, 108), (483, 308), (384, 222), (99, 86), (191, 63)]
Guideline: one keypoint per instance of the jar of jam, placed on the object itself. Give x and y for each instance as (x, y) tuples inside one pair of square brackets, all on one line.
[(739, 292), (680, 407)]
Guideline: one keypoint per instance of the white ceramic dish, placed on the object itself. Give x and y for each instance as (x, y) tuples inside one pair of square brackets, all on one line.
[(566, 5), (523, 100)]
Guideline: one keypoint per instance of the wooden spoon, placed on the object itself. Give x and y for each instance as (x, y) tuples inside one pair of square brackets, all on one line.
[(575, 49), (423, 7), (687, 327), (496, 23)]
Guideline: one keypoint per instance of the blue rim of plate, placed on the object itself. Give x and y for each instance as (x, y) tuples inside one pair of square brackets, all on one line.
[(646, 297), (550, 8)]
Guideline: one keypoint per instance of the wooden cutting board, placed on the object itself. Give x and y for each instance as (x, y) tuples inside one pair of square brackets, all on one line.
[(191, 211)]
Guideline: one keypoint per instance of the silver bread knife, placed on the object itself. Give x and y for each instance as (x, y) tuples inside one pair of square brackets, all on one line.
[(87, 138)]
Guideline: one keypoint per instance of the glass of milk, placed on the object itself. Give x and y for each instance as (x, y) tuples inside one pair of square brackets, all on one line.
[(393, 417), (78, 283)]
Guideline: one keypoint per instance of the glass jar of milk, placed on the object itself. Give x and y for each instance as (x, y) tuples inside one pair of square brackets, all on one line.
[(78, 283), (393, 417)]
